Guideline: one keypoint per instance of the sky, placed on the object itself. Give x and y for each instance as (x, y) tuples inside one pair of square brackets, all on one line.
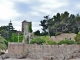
[(34, 11)]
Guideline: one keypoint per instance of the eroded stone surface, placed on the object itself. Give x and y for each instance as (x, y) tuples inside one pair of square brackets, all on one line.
[(58, 52)]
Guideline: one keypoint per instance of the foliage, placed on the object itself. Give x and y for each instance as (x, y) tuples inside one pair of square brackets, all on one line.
[(44, 34), (43, 40), (58, 33), (3, 42), (6, 31), (10, 29), (50, 42), (30, 27), (77, 38), (37, 40), (63, 23), (3, 28), (43, 24), (3, 31), (15, 37), (67, 41), (37, 33), (78, 43)]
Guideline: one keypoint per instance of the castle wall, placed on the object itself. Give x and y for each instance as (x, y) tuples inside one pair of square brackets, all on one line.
[(59, 52)]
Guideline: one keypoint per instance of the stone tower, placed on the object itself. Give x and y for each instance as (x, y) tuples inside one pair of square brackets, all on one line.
[(25, 31)]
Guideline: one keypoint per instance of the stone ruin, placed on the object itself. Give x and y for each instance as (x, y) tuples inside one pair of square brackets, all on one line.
[(26, 33)]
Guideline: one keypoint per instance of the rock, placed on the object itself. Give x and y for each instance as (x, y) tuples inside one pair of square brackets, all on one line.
[(4, 56)]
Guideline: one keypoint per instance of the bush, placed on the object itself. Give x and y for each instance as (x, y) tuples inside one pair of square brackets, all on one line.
[(3, 44), (78, 43), (69, 42), (50, 42), (14, 38), (77, 38), (37, 40)]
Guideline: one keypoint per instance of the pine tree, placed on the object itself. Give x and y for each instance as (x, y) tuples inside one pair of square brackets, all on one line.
[(10, 29)]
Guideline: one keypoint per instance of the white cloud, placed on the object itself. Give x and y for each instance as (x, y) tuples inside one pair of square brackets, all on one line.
[(48, 6), (24, 1), (52, 4), (78, 6), (36, 12), (36, 26), (6, 10)]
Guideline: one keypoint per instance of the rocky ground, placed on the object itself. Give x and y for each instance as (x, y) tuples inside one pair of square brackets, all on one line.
[(17, 59), (21, 59), (75, 59), (32, 59)]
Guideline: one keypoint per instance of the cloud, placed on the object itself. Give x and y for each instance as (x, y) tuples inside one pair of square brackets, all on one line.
[(34, 10), (23, 1), (6, 10), (78, 6), (36, 26)]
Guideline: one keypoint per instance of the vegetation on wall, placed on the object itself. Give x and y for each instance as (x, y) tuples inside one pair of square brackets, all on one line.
[(30, 27)]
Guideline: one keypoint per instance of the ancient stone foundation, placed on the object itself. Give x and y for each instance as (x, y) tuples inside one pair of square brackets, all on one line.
[(45, 52)]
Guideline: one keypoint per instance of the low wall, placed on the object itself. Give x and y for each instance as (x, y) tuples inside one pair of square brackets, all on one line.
[(58, 52)]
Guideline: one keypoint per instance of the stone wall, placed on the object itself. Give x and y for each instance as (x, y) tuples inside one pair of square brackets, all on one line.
[(46, 52)]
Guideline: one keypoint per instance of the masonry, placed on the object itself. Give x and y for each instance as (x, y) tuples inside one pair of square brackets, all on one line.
[(46, 52)]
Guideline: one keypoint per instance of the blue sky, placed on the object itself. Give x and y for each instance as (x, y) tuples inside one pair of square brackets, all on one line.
[(34, 10)]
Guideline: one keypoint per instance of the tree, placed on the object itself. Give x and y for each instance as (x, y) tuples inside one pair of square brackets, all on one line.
[(14, 38), (4, 32), (78, 21), (61, 23), (10, 29), (43, 24), (37, 33), (3, 45)]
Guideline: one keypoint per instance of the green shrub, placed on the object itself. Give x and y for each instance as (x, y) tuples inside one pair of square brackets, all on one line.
[(77, 38), (3, 44), (37, 40), (50, 42), (68, 42), (14, 38), (78, 43)]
